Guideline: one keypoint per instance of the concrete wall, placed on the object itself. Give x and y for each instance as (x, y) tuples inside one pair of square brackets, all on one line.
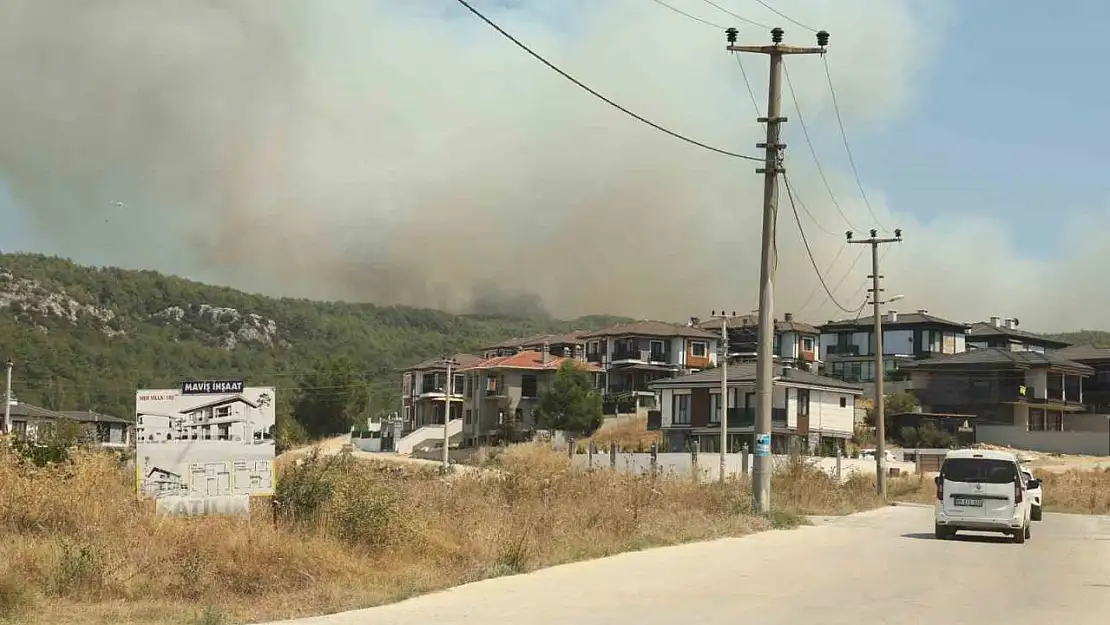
[(1090, 443), (681, 464)]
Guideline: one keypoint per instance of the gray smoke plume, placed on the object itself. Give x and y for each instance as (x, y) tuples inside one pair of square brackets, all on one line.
[(402, 152)]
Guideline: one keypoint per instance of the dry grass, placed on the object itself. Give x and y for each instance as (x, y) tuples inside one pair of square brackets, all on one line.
[(79, 548), (630, 433), (1076, 491)]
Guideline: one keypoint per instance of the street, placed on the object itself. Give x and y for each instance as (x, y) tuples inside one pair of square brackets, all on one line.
[(879, 567)]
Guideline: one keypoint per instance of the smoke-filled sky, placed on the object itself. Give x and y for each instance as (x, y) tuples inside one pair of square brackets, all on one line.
[(400, 151)]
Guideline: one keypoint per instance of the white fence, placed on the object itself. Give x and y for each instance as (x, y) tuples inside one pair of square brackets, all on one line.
[(708, 464)]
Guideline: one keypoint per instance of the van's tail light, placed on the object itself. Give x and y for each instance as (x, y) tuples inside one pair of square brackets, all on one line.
[(940, 489), (1017, 491)]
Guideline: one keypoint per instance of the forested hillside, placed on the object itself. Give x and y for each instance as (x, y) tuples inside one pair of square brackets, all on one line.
[(86, 338), (1097, 338)]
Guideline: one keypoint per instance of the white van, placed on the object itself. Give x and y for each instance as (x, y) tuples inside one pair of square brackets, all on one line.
[(982, 491)]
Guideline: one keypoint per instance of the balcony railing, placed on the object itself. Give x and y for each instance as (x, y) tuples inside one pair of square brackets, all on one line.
[(745, 417), (842, 350), (645, 355), (617, 389)]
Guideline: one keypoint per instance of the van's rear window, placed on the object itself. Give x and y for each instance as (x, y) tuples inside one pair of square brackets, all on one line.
[(984, 470)]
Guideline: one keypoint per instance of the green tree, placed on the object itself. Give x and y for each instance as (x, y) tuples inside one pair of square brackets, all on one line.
[(570, 403), (330, 398), (894, 403)]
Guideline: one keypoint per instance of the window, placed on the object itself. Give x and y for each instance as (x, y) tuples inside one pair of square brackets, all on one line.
[(803, 402), (658, 351), (982, 470), (843, 402), (681, 414), (458, 384), (592, 347), (529, 387), (469, 417), (469, 386), (807, 343), (699, 349), (715, 408)]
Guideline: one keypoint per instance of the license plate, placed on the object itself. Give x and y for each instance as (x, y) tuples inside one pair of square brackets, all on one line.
[(968, 502)]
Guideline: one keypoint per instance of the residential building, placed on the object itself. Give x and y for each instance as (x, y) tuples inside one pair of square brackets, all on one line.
[(1004, 333), (567, 344), (423, 392), (1023, 399), (795, 342), (1096, 389), (502, 393), (233, 418), (633, 355), (810, 410), (31, 422), (847, 346)]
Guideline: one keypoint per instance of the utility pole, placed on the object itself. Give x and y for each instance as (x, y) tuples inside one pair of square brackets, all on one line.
[(447, 392), (772, 167), (723, 402), (8, 400), (880, 371)]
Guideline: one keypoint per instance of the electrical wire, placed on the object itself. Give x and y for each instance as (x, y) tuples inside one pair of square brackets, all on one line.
[(817, 287), (812, 149), (597, 95), (691, 16), (798, 198), (737, 16), (809, 252), (748, 84), (847, 148), (784, 16)]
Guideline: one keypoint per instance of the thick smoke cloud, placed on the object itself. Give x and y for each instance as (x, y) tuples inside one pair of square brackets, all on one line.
[(401, 152)]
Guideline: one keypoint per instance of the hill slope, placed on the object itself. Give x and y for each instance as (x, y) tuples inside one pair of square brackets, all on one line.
[(86, 338)]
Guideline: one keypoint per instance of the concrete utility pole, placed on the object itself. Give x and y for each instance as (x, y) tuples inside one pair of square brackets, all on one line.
[(723, 402), (772, 167), (448, 391), (8, 400), (880, 370)]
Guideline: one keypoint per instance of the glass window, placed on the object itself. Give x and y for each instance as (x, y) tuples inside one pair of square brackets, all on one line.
[(715, 408), (982, 470), (681, 414), (698, 349)]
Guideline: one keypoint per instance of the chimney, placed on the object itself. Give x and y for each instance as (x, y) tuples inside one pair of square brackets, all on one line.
[(996, 321), (546, 353), (1009, 323), (580, 352), (892, 316), (922, 311), (788, 317), (566, 352), (694, 321)]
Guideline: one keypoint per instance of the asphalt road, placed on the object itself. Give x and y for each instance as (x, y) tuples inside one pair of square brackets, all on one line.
[(882, 567)]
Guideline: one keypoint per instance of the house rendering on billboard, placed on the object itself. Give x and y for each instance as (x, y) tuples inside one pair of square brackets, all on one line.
[(208, 438)]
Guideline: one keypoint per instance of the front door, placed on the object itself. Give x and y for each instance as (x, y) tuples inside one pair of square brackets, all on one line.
[(803, 411)]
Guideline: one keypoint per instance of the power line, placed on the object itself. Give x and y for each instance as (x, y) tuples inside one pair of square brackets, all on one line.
[(748, 84), (597, 95), (691, 16), (809, 252), (798, 199), (847, 148), (737, 16), (812, 149), (817, 287), (784, 16)]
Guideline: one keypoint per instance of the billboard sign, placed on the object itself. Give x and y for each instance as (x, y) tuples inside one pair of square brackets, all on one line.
[(208, 438)]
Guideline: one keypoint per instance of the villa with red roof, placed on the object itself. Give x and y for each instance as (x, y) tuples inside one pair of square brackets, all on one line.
[(504, 391)]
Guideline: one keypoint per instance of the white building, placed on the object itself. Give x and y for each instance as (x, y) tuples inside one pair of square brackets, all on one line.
[(808, 409), (227, 418)]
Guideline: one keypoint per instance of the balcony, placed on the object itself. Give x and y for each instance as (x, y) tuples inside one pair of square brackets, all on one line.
[(842, 350), (643, 355), (745, 418), (620, 389)]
